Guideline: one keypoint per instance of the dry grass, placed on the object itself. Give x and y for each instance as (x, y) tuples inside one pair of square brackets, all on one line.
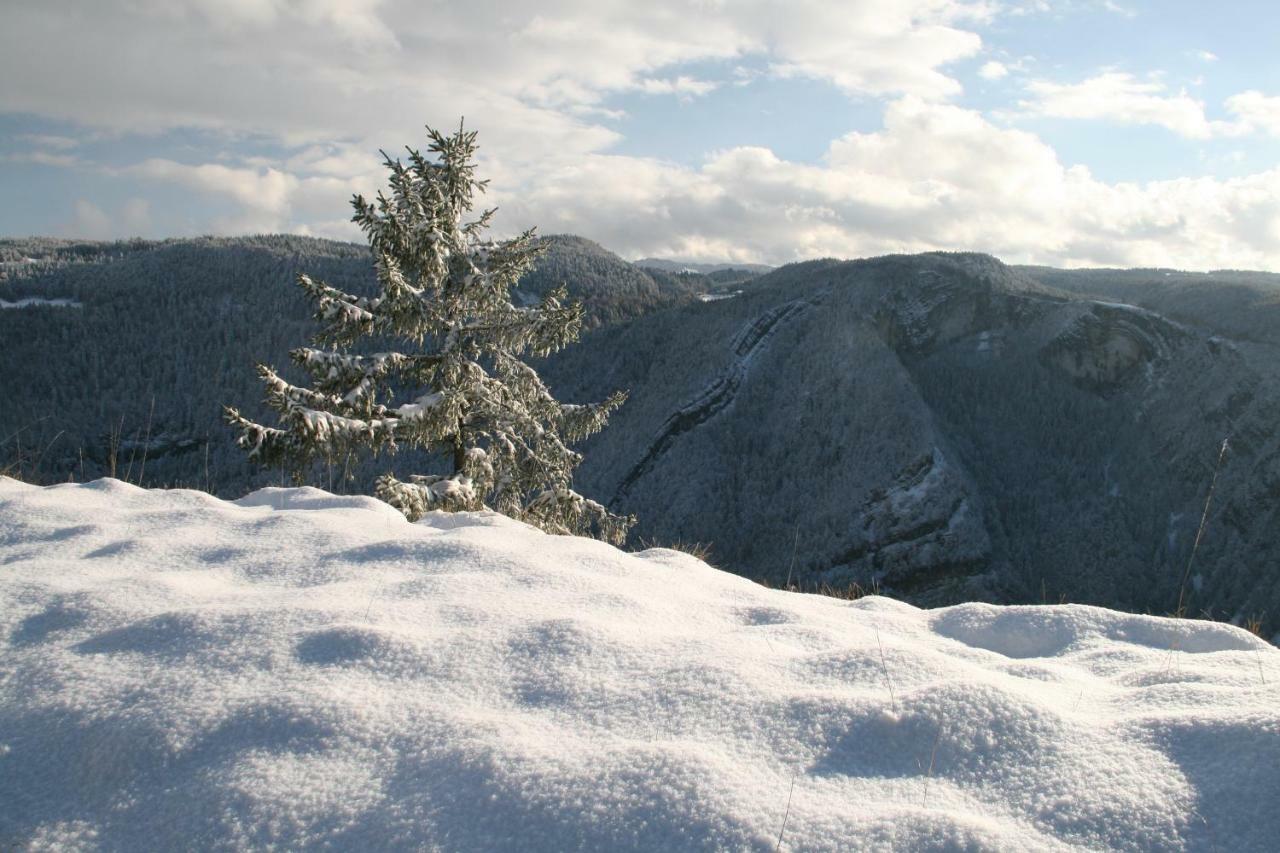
[(849, 592), (700, 550)]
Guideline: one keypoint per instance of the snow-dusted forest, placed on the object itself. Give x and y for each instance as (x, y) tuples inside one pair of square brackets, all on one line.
[(1015, 435)]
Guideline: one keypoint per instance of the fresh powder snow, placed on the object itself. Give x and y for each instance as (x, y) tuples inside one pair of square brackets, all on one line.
[(299, 669)]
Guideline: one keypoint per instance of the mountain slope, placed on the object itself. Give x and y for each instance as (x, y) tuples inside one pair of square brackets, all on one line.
[(939, 425), (1239, 305), (300, 670), (946, 428), (167, 333)]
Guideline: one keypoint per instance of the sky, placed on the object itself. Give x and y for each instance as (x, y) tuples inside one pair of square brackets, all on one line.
[(1061, 132)]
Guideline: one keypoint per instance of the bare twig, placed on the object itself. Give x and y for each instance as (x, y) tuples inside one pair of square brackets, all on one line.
[(20, 430), (884, 667), (146, 442), (785, 816), (795, 544), (1204, 517), (933, 754), (376, 590), (113, 448), (36, 465)]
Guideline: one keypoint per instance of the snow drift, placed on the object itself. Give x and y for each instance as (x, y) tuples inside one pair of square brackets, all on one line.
[(302, 669)]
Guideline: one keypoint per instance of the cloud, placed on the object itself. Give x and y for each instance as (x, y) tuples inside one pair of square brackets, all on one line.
[(1121, 97), (993, 70), (328, 83), (50, 150), (44, 140), (42, 158), (935, 177), (370, 71), (265, 195), (90, 222), (1117, 9), (1256, 111), (683, 87)]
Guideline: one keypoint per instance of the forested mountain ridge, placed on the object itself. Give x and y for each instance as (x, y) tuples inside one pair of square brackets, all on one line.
[(167, 332), (946, 427), (941, 425), (1238, 304)]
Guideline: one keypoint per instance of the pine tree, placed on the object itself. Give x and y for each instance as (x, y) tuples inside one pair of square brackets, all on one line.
[(444, 298)]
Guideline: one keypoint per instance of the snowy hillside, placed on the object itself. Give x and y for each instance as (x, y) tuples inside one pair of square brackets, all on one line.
[(300, 669)]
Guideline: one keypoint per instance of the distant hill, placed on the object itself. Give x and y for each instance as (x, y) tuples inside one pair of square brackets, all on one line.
[(1235, 303), (611, 290)]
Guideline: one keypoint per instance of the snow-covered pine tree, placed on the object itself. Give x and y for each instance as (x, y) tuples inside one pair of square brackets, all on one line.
[(443, 297)]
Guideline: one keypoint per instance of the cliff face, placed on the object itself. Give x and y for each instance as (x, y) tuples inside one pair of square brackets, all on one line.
[(946, 428)]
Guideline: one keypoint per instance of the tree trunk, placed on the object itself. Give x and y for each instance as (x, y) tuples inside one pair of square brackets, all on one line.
[(459, 452)]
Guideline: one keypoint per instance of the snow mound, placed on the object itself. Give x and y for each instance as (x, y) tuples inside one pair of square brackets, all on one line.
[(301, 669)]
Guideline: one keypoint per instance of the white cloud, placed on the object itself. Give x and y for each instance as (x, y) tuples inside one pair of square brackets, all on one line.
[(936, 177), (993, 70), (1205, 55), (91, 222), (1117, 9), (135, 215), (1123, 98), (332, 82), (265, 194), (1120, 97), (44, 140), (371, 71), (1256, 111), (42, 158), (682, 86)]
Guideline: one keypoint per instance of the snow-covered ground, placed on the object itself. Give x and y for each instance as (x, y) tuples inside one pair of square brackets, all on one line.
[(298, 669)]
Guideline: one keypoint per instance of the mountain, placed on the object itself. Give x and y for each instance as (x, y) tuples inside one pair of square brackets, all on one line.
[(1240, 305), (122, 354), (610, 289), (942, 427), (297, 670), (946, 428), (667, 265)]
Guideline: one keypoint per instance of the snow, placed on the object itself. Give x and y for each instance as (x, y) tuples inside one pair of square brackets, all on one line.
[(300, 669), (420, 407), (34, 301)]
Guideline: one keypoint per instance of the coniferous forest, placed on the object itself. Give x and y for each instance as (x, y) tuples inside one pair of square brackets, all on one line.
[(948, 427)]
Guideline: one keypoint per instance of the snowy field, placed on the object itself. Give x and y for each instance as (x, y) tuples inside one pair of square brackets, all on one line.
[(298, 669)]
